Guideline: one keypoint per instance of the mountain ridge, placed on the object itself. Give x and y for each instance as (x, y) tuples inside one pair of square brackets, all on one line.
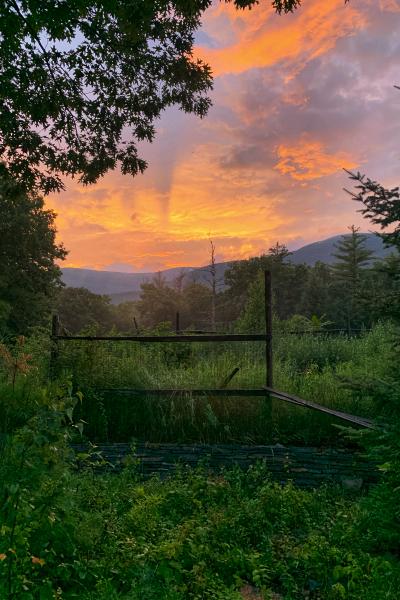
[(126, 286)]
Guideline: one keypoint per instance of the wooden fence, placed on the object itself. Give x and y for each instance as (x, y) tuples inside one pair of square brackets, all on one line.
[(307, 467), (266, 337), (267, 391)]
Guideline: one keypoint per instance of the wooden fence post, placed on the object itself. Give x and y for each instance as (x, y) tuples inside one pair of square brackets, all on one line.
[(268, 329), (55, 331), (177, 324)]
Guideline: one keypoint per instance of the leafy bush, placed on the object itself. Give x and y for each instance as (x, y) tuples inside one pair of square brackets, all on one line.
[(72, 535), (82, 534), (34, 477), (381, 517)]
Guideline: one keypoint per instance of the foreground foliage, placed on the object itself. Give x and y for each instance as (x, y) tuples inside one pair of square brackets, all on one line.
[(69, 534)]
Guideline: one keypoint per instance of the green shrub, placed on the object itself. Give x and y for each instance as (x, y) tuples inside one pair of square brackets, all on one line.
[(82, 534)]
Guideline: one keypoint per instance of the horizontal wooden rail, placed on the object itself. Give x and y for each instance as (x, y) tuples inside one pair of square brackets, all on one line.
[(361, 421), (234, 337), (197, 336), (201, 332), (241, 392), (325, 331), (195, 392)]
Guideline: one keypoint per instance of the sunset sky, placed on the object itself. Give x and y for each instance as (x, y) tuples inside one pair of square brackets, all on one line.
[(296, 98)]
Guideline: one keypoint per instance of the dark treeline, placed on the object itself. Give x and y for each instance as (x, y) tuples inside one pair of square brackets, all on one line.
[(355, 292), (352, 293), (29, 274)]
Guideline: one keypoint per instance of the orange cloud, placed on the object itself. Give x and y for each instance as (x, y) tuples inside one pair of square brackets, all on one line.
[(309, 160), (265, 39), (203, 202), (247, 175), (239, 209), (390, 5)]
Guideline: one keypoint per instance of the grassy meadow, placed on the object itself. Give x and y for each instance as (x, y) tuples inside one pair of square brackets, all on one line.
[(68, 533), (315, 367)]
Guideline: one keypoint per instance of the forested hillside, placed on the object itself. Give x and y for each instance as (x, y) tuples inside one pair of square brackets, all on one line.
[(126, 286), (350, 293)]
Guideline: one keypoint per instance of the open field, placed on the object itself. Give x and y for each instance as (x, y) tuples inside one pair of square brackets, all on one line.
[(313, 367), (232, 535)]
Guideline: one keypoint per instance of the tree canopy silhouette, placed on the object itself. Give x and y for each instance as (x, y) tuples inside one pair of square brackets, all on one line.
[(29, 253), (381, 206), (83, 81)]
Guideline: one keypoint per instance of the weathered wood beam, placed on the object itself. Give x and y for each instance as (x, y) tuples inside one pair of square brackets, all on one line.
[(231, 337), (195, 392), (361, 421)]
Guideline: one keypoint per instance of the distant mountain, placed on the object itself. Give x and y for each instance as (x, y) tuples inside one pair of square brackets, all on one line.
[(110, 282), (122, 287), (323, 251)]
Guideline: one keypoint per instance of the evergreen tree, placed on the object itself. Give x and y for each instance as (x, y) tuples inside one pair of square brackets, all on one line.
[(238, 278), (243, 275), (352, 256), (252, 318), (383, 288), (317, 293), (382, 206), (278, 253)]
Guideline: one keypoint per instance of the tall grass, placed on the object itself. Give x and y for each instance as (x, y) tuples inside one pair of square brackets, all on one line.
[(314, 367)]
